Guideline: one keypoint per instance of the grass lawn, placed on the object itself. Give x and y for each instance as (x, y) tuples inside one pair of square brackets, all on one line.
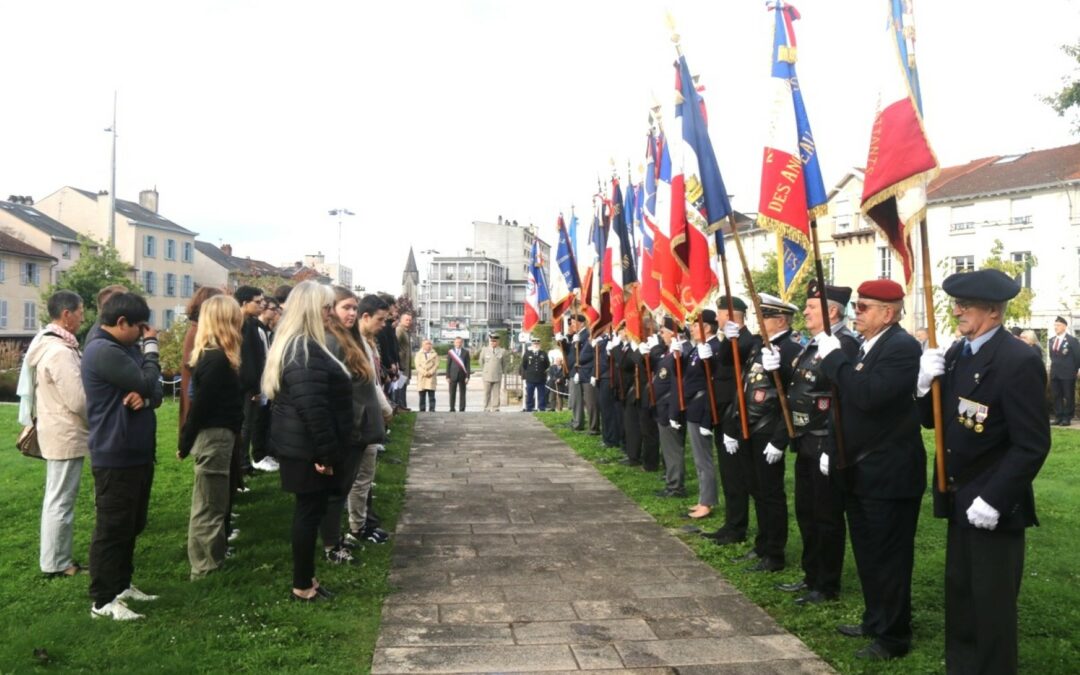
[(1049, 598), (239, 619)]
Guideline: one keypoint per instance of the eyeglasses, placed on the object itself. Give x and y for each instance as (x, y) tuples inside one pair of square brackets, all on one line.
[(963, 304), (861, 306)]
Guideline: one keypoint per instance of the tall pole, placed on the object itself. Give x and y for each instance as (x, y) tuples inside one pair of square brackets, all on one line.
[(935, 386), (841, 458), (339, 213), (112, 185)]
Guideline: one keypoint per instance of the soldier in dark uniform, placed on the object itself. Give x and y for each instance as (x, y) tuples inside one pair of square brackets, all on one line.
[(641, 445), (1064, 364), (579, 360), (669, 417), (819, 507), (883, 473), (700, 407), (646, 360), (534, 367), (996, 438), (762, 457), (732, 483), (605, 381)]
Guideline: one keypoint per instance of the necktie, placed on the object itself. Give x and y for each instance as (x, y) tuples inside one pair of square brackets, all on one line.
[(862, 352), (966, 352)]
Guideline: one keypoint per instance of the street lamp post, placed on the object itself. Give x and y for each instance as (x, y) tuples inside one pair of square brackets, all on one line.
[(340, 213), (426, 295), (112, 186)]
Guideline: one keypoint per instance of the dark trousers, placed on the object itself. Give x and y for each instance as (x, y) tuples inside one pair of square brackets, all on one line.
[(427, 400), (532, 391), (121, 502), (734, 487), (1064, 395), (456, 388), (253, 432), (819, 510), (983, 570), (632, 431), (883, 541), (610, 414), (307, 516), (330, 527), (765, 484), (650, 439)]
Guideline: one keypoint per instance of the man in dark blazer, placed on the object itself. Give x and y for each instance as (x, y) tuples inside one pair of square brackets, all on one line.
[(883, 472), (1064, 364), (458, 372), (670, 418), (997, 437)]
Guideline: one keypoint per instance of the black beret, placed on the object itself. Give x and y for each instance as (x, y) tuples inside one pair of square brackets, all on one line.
[(722, 303), (987, 285), (669, 324), (1061, 320), (841, 294), (708, 316)]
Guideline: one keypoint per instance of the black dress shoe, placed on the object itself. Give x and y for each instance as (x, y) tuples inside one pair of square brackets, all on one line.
[(875, 652), (324, 592), (793, 587), (629, 462), (851, 630), (815, 598), (766, 565), (669, 492), (650, 469), (746, 557)]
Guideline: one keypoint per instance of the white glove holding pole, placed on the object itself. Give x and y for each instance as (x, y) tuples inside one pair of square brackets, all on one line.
[(592, 381), (823, 464), (731, 445), (576, 338), (675, 425), (704, 351), (611, 345), (644, 348), (931, 365), (595, 341), (704, 431), (731, 330), (653, 340), (559, 337), (770, 359), (826, 344), (772, 455), (577, 378), (982, 515)]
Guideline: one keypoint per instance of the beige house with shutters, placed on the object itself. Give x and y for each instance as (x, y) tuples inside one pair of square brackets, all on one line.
[(161, 252), (20, 219), (24, 274)]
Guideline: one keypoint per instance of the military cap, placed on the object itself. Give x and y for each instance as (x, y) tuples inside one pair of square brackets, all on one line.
[(885, 290), (709, 316), (722, 303), (1061, 320), (534, 339), (774, 306), (841, 294), (669, 324), (987, 285), (493, 336)]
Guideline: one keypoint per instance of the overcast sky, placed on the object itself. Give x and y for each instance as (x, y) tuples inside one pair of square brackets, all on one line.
[(254, 118)]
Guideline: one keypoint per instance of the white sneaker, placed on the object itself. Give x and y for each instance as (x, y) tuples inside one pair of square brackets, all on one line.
[(132, 593), (115, 610), (266, 465), (233, 535)]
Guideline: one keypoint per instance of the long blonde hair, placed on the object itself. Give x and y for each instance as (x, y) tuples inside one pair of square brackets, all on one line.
[(219, 328), (301, 321)]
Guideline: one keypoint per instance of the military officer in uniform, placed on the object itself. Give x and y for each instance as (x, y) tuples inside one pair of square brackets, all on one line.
[(762, 457), (605, 381), (579, 358), (1064, 364), (883, 472), (819, 507), (639, 425), (997, 436), (701, 406), (646, 360), (669, 415)]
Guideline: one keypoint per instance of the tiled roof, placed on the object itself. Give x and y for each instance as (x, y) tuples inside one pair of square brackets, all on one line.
[(140, 215), (37, 219), (233, 263), (10, 244), (215, 254), (1007, 173)]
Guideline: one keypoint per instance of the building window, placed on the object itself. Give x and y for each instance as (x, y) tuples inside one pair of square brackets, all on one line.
[(149, 246), (449, 295), (467, 273), (149, 282), (481, 272), (481, 312), (842, 215), (962, 218), (169, 316), (884, 262), (65, 251), (448, 272), (3, 314), (170, 249), (1024, 278), (186, 287), (963, 263), (1021, 211), (829, 266), (150, 320), (3, 270), (31, 274), (170, 285), (466, 310), (189, 252), (29, 316)]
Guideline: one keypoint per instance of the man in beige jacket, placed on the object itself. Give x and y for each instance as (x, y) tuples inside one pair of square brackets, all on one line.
[(427, 367), (494, 360), (60, 409)]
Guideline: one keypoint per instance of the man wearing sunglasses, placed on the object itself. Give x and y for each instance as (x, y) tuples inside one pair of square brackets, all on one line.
[(883, 473), (997, 436)]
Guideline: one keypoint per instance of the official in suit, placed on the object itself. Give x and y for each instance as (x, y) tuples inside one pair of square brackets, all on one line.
[(494, 360), (736, 498), (762, 457), (883, 470), (579, 361), (458, 372), (1064, 364), (669, 415), (819, 506), (997, 437), (701, 405)]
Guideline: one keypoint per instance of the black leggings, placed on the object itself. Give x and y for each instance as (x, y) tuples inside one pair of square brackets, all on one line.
[(309, 512)]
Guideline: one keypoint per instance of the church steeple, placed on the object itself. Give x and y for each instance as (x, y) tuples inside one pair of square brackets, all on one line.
[(410, 279)]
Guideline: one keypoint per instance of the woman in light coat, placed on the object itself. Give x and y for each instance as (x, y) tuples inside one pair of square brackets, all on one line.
[(59, 405), (427, 367)]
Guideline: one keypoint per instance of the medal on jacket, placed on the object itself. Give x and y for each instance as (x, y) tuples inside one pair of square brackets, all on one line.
[(972, 414)]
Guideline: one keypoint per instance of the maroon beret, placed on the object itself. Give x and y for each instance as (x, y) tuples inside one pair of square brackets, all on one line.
[(885, 290)]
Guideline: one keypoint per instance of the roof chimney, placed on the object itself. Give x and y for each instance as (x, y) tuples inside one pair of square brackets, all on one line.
[(226, 248), (148, 199)]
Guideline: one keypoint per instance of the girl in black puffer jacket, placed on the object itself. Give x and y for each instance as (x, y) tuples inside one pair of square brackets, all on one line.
[(310, 422)]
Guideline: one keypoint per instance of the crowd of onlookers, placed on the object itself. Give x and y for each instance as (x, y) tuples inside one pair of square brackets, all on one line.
[(303, 382)]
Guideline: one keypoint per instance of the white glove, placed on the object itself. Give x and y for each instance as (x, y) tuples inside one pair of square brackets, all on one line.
[(675, 425), (731, 330), (772, 455), (730, 445), (704, 351), (577, 378), (826, 344), (644, 348), (770, 359), (592, 381), (611, 345), (616, 341), (595, 341), (634, 344), (653, 340), (982, 515), (823, 464), (576, 338), (931, 365), (704, 431), (559, 337)]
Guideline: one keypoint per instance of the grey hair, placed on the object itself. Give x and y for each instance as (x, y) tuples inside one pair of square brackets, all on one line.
[(841, 309)]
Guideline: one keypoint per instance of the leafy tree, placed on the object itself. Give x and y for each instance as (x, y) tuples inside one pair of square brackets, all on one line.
[(1068, 98), (171, 343), (767, 280), (266, 283), (406, 306), (1019, 308), (98, 266)]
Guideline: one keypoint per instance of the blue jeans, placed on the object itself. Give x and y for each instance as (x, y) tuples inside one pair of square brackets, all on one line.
[(531, 391)]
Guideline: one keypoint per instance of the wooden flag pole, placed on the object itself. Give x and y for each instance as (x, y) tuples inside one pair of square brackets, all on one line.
[(780, 394), (838, 427), (935, 386), (736, 358)]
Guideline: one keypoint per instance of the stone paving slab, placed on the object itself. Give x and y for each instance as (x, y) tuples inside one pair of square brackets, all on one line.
[(513, 554)]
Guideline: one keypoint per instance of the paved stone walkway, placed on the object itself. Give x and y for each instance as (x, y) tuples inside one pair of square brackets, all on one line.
[(513, 554)]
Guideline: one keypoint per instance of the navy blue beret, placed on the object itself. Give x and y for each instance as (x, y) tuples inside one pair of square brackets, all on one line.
[(987, 285)]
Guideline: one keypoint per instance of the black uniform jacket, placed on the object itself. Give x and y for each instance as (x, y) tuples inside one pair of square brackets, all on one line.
[(1002, 388), (698, 409), (666, 388), (1065, 361), (882, 441)]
